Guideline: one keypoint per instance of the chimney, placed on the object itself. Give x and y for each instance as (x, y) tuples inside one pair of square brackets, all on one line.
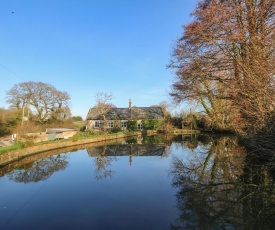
[(130, 104)]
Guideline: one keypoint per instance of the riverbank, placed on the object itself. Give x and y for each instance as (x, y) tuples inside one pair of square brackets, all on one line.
[(15, 155)]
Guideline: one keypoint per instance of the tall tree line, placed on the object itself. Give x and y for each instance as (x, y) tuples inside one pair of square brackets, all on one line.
[(225, 60)]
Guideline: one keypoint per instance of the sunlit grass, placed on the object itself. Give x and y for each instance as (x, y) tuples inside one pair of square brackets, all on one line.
[(15, 146), (78, 136), (79, 124)]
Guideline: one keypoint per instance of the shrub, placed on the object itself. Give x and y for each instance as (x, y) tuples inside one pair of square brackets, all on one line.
[(132, 125), (152, 124), (77, 118), (28, 144), (115, 130), (3, 129), (177, 122), (90, 132)]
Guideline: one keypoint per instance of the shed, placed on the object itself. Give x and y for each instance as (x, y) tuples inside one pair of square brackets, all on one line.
[(60, 133)]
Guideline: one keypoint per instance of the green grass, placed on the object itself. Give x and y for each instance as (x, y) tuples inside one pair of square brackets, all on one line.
[(15, 146), (79, 124), (79, 136)]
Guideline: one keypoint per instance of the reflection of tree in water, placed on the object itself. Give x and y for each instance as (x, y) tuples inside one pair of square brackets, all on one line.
[(220, 189), (39, 170), (102, 164), (192, 141)]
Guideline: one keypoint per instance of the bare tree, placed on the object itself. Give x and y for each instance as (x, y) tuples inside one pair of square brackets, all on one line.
[(225, 60), (40, 170), (44, 99), (103, 105), (102, 165)]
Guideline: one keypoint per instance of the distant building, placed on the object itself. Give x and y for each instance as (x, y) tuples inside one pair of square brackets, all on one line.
[(122, 115), (60, 133), (50, 135)]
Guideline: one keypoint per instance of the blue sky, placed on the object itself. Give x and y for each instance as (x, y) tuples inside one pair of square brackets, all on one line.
[(88, 46)]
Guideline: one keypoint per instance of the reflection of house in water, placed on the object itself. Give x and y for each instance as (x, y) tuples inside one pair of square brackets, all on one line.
[(128, 150)]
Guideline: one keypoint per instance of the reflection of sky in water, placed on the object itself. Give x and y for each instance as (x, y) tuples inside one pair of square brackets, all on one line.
[(190, 185), (136, 196)]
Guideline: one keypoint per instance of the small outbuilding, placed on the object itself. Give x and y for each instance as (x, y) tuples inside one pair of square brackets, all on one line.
[(60, 133)]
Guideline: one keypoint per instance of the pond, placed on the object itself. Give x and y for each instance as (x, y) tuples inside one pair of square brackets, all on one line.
[(182, 182)]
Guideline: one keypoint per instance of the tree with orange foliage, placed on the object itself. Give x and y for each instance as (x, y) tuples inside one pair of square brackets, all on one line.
[(225, 60)]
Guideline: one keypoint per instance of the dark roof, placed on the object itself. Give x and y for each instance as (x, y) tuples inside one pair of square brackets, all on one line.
[(135, 113)]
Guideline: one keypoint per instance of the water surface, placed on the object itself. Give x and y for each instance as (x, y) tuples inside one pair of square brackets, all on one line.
[(148, 183), (110, 187)]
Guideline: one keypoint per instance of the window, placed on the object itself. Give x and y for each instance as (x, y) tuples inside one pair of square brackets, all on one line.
[(97, 124), (111, 124), (123, 124), (139, 126)]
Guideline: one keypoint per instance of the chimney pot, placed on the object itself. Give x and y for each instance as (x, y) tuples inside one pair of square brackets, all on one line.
[(130, 104)]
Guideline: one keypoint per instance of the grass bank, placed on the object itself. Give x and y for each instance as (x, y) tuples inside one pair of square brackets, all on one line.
[(80, 138), (15, 146), (17, 154)]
